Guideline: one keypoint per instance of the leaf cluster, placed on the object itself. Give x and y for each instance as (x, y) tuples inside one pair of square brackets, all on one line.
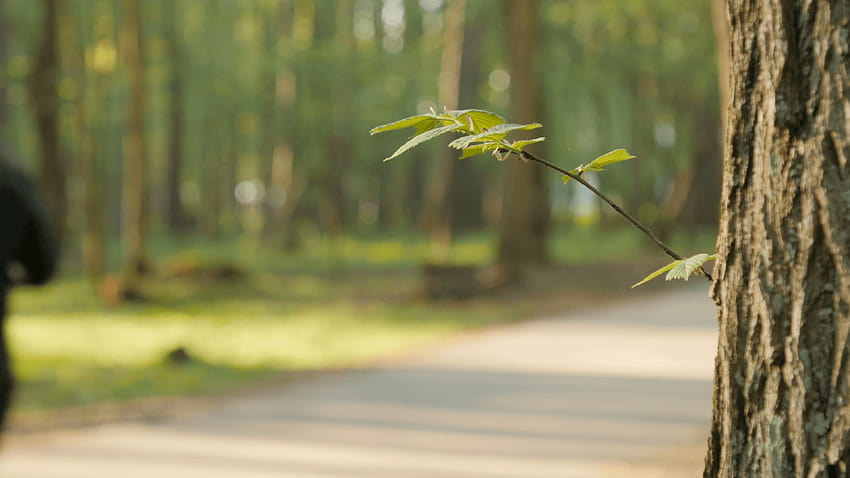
[(481, 132), (600, 162), (485, 132), (680, 269)]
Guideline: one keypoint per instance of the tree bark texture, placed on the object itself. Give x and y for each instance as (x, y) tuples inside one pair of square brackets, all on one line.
[(525, 206), (781, 397), (42, 90), (134, 184)]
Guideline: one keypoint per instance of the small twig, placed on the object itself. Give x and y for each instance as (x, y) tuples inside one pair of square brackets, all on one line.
[(531, 157)]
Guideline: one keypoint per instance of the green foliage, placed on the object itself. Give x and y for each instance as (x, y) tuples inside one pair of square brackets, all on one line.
[(477, 149), (482, 131), (599, 163), (421, 138), (681, 269), (521, 144), (492, 135), (476, 120)]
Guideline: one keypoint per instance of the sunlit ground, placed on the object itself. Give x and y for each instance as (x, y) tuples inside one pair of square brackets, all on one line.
[(332, 306)]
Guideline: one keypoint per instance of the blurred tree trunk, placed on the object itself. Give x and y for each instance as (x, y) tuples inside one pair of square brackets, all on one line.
[(401, 195), (700, 206), (338, 145), (781, 386), (720, 21), (42, 90), (134, 183), (694, 197), (213, 113), (175, 216), (467, 191), (286, 183), (525, 207), (210, 174), (94, 254), (438, 212), (229, 154), (4, 58), (303, 127)]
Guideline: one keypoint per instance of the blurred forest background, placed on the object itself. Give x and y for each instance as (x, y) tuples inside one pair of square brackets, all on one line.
[(219, 139)]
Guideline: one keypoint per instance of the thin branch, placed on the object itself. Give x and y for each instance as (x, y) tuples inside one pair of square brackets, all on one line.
[(531, 157)]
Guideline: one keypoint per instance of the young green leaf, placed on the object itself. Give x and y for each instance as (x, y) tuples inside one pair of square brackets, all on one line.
[(479, 119), (473, 151), (612, 157), (508, 127), (574, 171), (657, 273), (465, 142), (403, 123), (432, 123), (496, 133), (477, 149), (519, 145), (421, 138), (680, 269), (687, 266)]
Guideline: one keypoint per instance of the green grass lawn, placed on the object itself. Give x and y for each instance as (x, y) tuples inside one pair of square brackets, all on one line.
[(70, 351), (318, 310)]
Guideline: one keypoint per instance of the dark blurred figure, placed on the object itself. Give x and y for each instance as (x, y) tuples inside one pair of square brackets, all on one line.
[(28, 252)]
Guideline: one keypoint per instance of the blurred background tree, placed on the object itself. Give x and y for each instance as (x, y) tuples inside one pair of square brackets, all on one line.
[(211, 159), (221, 120)]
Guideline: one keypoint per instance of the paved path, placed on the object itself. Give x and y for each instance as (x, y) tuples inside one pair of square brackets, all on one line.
[(606, 392)]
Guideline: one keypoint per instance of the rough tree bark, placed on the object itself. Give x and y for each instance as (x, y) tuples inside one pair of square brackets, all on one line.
[(525, 207), (781, 399)]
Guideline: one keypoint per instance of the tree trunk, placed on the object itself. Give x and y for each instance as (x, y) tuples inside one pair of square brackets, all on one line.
[(438, 212), (285, 182), (4, 58), (42, 89), (400, 202), (467, 191), (698, 205), (525, 207), (134, 184), (334, 27), (720, 21), (781, 397), (175, 216), (93, 237)]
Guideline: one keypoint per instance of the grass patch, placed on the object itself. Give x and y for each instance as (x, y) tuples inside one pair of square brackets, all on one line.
[(70, 351), (325, 308)]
